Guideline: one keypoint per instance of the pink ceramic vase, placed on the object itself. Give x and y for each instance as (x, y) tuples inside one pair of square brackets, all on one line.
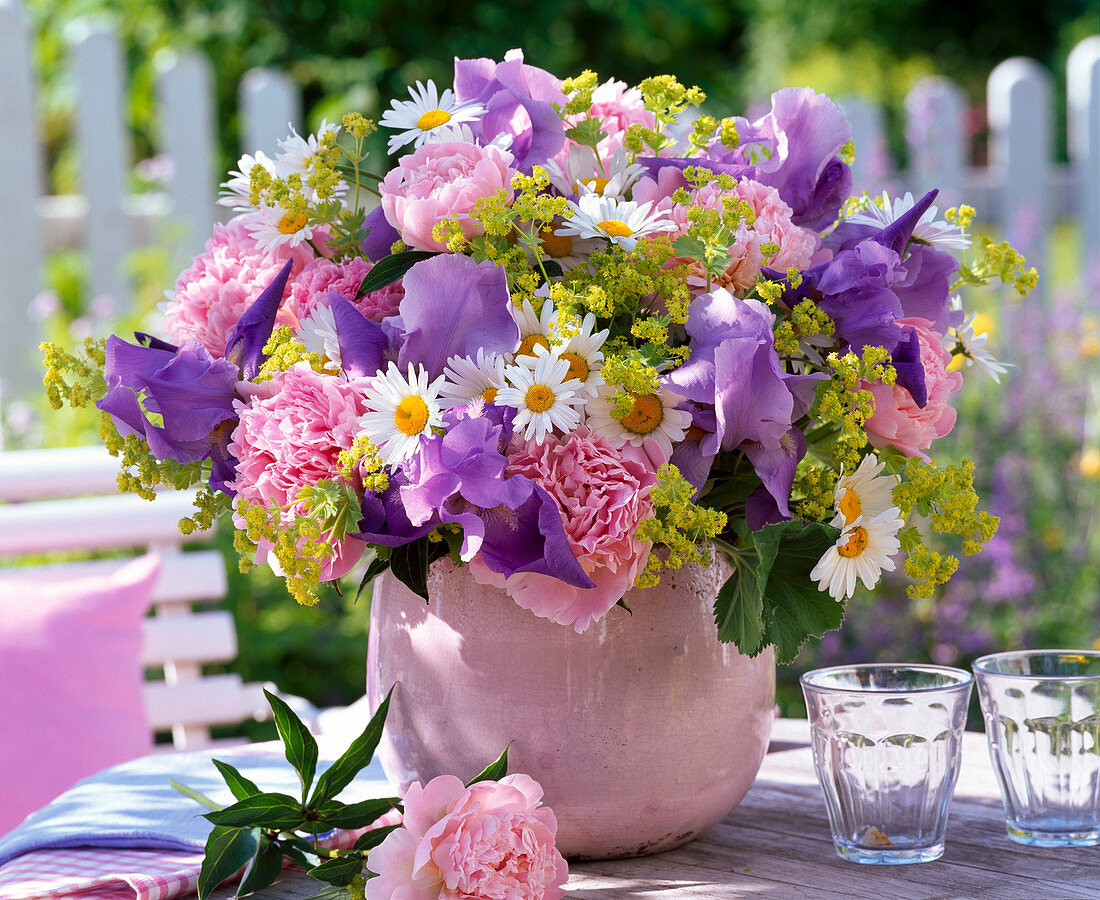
[(644, 731)]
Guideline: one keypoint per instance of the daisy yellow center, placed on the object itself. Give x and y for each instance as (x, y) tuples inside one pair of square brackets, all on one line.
[(289, 224), (539, 398), (646, 416), (411, 415), (849, 506), (615, 228), (433, 118), (596, 185), (578, 367), (489, 395), (856, 543), (556, 245), (528, 344)]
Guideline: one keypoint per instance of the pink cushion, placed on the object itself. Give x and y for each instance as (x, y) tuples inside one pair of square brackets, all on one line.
[(70, 680)]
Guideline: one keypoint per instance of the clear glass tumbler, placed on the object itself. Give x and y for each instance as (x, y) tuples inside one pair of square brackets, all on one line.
[(887, 742), (1042, 718)]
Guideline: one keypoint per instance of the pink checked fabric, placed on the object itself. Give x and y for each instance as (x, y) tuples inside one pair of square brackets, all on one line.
[(108, 874)]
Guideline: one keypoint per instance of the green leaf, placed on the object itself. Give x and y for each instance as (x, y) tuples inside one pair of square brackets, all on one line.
[(409, 563), (374, 837), (201, 799), (227, 849), (338, 870), (238, 784), (739, 607), (340, 774), (388, 270), (329, 892), (377, 565), (690, 246), (301, 746), (794, 608), (260, 810), (266, 866), (355, 815), (587, 132), (495, 771)]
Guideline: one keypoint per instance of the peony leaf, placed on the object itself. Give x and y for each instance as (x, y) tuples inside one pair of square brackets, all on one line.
[(260, 811), (355, 815), (266, 866), (409, 563), (389, 270), (227, 849), (495, 771), (340, 774), (340, 870), (238, 784), (374, 837), (301, 746)]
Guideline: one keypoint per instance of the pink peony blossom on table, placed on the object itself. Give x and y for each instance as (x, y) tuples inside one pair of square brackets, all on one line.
[(213, 294), (438, 181), (491, 840), (602, 494), (898, 421)]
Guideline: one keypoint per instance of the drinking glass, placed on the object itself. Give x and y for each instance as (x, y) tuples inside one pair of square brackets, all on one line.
[(1042, 719), (886, 743)]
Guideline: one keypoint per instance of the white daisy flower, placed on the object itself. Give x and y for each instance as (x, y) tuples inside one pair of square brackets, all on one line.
[(866, 492), (885, 211), (567, 250), (428, 110), (402, 410), (272, 228), (534, 328), (462, 133), (653, 416), (585, 356), (317, 332), (971, 347), (581, 172), (468, 379), (295, 149), (235, 191), (542, 394), (862, 551), (620, 221)]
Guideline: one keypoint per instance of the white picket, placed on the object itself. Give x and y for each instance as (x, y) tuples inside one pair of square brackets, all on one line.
[(100, 134), (1021, 145), (936, 134), (271, 104), (1083, 106), (872, 165), (185, 92), (20, 231)]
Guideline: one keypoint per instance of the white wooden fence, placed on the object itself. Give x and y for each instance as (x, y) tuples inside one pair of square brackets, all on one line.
[(1022, 189)]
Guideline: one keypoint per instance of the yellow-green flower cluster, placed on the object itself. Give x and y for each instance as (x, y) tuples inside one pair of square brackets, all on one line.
[(283, 351), (666, 98), (947, 499), (578, 90), (85, 382), (998, 259), (682, 527), (812, 492), (365, 459), (806, 320), (843, 399)]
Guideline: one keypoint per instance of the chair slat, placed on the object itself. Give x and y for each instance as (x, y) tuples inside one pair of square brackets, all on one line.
[(212, 700), (202, 637)]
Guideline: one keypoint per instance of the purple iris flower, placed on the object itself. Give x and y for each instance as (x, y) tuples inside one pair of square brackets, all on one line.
[(362, 342), (188, 389), (385, 522), (517, 100), (378, 235), (513, 523), (453, 306)]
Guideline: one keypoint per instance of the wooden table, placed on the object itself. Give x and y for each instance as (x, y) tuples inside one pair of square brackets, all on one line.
[(776, 844)]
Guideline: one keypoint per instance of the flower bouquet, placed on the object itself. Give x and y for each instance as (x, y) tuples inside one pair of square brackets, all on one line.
[(588, 333)]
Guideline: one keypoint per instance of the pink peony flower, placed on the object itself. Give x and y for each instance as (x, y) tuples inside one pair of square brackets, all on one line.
[(602, 494), (772, 225), (490, 840), (319, 276), (221, 284), (441, 180), (290, 434), (898, 421)]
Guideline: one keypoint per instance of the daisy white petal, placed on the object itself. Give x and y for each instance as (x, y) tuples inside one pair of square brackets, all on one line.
[(469, 379), (235, 191), (866, 492), (885, 210), (542, 395), (971, 348), (272, 228), (416, 119), (620, 221), (402, 410), (318, 334), (862, 552), (653, 416), (585, 356)]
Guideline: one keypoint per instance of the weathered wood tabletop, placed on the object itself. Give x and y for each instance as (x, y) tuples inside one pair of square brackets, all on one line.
[(776, 843)]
